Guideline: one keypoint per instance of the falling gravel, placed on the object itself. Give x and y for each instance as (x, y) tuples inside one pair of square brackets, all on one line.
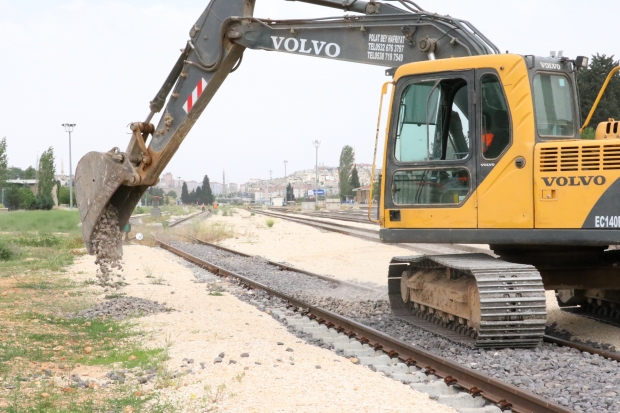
[(580, 381), (107, 244), (123, 307)]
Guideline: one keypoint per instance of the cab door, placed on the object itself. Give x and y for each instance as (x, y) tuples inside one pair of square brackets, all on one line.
[(504, 183), (430, 165)]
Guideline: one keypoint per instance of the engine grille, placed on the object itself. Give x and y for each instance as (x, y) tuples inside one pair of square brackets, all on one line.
[(575, 158)]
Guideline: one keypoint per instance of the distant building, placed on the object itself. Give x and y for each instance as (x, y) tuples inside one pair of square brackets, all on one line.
[(216, 188), (277, 201), (232, 188), (33, 184), (191, 185), (168, 180), (362, 194)]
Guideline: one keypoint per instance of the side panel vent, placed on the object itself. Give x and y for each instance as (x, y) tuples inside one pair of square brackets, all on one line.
[(575, 158)]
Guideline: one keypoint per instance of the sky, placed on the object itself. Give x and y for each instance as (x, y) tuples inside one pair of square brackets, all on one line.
[(98, 63)]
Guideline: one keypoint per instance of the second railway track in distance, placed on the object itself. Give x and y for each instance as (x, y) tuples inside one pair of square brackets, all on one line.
[(373, 234)]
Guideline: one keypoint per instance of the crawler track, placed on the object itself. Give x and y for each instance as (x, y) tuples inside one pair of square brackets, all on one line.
[(494, 390)]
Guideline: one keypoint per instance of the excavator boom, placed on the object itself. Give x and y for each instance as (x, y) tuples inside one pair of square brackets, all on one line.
[(385, 35)]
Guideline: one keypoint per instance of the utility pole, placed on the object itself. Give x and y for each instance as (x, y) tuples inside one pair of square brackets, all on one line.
[(224, 183), (69, 128), (285, 183), (269, 187), (316, 172)]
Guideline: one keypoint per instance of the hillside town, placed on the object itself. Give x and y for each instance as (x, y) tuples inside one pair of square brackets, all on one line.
[(262, 190)]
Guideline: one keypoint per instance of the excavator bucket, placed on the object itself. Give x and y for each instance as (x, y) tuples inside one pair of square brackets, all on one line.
[(103, 179)]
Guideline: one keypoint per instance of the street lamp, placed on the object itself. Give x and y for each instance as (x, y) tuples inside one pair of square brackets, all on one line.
[(285, 183), (316, 171), (269, 186), (69, 128)]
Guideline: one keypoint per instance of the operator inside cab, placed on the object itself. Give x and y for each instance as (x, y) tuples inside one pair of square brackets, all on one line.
[(495, 119)]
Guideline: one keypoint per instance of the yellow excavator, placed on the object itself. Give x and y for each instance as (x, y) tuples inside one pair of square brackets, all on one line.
[(480, 148)]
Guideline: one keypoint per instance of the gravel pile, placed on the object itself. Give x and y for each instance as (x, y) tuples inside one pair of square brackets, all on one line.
[(580, 381), (123, 307), (108, 247)]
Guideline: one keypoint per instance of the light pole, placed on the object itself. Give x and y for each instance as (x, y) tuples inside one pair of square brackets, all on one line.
[(69, 128), (285, 183), (316, 172), (269, 186)]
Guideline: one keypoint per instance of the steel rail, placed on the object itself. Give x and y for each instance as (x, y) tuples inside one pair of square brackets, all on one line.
[(328, 226), (479, 384), (175, 223), (287, 267)]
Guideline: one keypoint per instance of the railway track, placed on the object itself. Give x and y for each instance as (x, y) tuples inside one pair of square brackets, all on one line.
[(499, 393), (426, 325), (180, 221), (431, 249), (373, 235)]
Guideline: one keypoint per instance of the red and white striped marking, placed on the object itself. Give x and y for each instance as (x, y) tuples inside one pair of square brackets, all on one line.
[(193, 98)]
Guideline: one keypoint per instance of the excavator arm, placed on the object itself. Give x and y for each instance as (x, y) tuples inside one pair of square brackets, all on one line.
[(384, 35)]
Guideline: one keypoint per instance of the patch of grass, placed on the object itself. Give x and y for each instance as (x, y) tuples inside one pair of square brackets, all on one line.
[(158, 281), (6, 251), (44, 221), (113, 296), (37, 239), (37, 285), (130, 357), (270, 222), (35, 334), (205, 230)]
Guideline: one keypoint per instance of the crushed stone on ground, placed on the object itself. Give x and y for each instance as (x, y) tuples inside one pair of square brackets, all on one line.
[(123, 307)]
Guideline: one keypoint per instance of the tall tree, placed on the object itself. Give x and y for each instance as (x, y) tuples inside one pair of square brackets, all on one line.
[(590, 82), (192, 197), (14, 172), (12, 197), (47, 170), (30, 173), (184, 194), (199, 195), (347, 158), (3, 163), (290, 193), (355, 179), (207, 194)]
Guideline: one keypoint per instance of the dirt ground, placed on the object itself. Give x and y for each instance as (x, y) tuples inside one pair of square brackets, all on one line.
[(202, 326), (315, 250)]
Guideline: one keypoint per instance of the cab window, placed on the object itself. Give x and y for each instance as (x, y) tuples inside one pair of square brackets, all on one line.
[(495, 118), (433, 121), (553, 105), (448, 186)]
